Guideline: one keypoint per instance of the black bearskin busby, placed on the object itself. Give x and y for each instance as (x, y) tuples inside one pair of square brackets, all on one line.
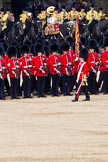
[(54, 47), (38, 48), (46, 50), (12, 51), (24, 49), (92, 44), (65, 46), (84, 54)]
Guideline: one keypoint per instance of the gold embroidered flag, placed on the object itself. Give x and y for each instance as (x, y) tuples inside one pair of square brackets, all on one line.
[(77, 37)]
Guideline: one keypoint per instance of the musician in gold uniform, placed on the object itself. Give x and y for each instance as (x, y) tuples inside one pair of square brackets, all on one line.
[(42, 17), (101, 15), (73, 13), (56, 16), (23, 18), (63, 15), (91, 14), (82, 14), (1, 14), (52, 21)]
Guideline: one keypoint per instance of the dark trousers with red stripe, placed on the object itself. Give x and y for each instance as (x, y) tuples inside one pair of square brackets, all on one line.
[(79, 88)]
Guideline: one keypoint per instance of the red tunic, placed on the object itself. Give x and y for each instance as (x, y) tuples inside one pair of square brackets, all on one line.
[(40, 66), (3, 69), (54, 63), (93, 60), (13, 67), (104, 60), (83, 70), (26, 65), (66, 64)]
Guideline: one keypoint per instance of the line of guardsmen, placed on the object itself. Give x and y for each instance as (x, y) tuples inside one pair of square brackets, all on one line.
[(51, 11), (52, 67)]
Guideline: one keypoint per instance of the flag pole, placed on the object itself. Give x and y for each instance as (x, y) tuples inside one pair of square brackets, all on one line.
[(77, 37)]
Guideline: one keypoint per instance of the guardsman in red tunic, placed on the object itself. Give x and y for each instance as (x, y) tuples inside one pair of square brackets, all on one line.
[(46, 52), (104, 59), (14, 71), (2, 74), (40, 65), (74, 61), (26, 66), (33, 78), (66, 68), (100, 68), (6, 58), (83, 72), (54, 64), (93, 62)]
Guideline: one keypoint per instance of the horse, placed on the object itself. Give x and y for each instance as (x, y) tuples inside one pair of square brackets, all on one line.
[(31, 32), (97, 29), (10, 32), (18, 29), (38, 28)]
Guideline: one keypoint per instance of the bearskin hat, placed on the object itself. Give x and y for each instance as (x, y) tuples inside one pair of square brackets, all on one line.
[(106, 42), (73, 5), (2, 10), (92, 5), (46, 50), (65, 46), (92, 44), (54, 47), (24, 49), (38, 48), (70, 40), (12, 51), (84, 54), (100, 8), (63, 7)]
